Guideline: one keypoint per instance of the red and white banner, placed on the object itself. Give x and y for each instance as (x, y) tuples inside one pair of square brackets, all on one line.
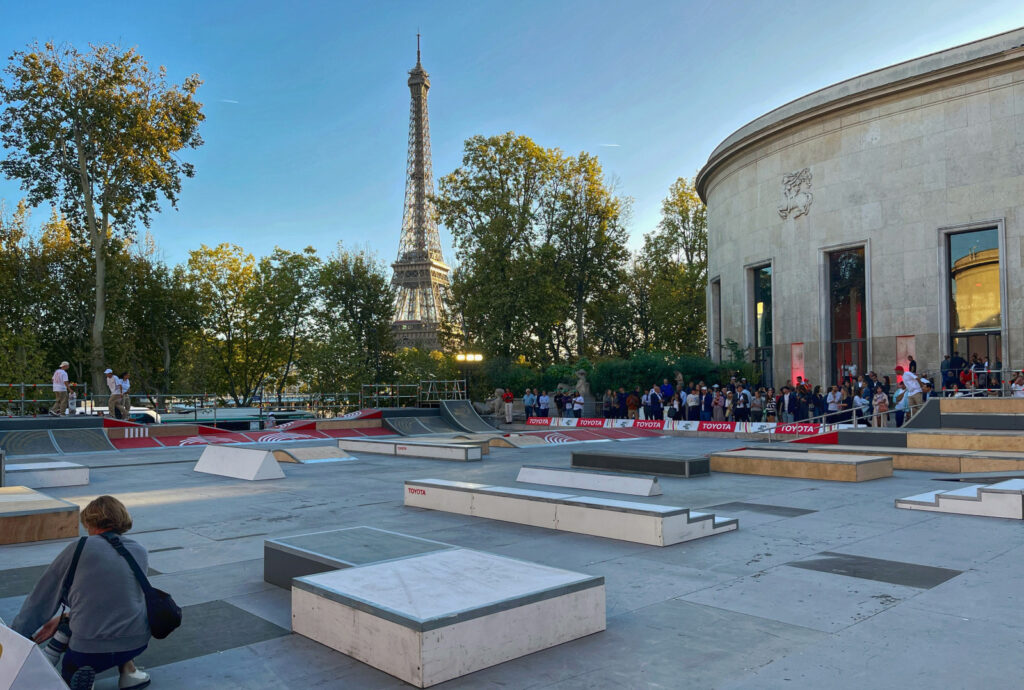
[(591, 422), (539, 421), (798, 428), (717, 426), (649, 424)]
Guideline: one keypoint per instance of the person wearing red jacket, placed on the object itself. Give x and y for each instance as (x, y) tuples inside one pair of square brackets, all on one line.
[(507, 398)]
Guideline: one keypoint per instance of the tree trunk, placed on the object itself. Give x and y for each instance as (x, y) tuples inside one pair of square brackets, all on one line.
[(98, 237), (580, 345)]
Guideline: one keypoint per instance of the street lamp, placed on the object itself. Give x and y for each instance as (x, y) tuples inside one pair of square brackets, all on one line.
[(465, 359)]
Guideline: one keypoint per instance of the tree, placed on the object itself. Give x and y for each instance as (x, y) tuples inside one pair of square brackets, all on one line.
[(354, 317), (492, 204), (98, 134), (673, 266), (584, 227), (292, 280), (241, 322)]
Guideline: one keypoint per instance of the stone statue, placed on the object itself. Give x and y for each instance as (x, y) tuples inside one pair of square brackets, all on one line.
[(493, 405), (582, 385)]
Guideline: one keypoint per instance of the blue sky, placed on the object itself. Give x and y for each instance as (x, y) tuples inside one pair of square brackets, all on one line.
[(307, 106)]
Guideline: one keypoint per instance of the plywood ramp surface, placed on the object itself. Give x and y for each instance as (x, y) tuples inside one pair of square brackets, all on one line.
[(830, 467)]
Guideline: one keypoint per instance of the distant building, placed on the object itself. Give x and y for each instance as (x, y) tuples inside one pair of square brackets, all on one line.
[(420, 275), (874, 219)]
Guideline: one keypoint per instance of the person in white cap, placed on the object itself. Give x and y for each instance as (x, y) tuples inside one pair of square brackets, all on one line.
[(114, 401), (60, 390)]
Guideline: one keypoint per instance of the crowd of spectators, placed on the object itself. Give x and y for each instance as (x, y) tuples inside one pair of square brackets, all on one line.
[(857, 399)]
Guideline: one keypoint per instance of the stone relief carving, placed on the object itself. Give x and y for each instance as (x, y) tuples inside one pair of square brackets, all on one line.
[(796, 194)]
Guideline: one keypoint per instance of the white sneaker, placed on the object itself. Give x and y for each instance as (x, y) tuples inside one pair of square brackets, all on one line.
[(133, 680)]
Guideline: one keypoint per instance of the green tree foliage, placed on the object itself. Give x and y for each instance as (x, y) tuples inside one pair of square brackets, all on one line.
[(97, 134), (241, 322), (539, 239), (352, 343), (672, 271)]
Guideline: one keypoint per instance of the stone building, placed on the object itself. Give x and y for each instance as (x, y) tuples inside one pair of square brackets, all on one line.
[(877, 218)]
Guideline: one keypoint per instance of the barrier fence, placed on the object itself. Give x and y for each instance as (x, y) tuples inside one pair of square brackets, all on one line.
[(35, 399)]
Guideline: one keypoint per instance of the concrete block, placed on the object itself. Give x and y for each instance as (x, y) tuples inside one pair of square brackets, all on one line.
[(42, 475), (438, 616), (239, 463), (365, 445), (27, 515), (645, 523), (438, 451), (833, 467), (589, 480)]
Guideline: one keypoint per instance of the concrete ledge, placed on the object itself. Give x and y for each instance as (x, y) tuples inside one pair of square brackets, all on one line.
[(644, 523), (42, 475), (963, 439), (1003, 500), (636, 461), (982, 406), (438, 616), (830, 467), (27, 515), (612, 482), (367, 445), (438, 451)]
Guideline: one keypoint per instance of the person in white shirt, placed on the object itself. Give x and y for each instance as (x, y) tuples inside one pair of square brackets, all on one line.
[(1018, 386), (114, 401), (914, 394), (577, 405), (60, 390), (124, 385)]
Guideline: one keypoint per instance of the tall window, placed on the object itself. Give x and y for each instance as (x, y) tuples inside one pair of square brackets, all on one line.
[(716, 319), (975, 304), (846, 289), (763, 322)]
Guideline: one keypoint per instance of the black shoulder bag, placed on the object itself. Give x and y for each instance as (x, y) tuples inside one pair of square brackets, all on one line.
[(164, 615)]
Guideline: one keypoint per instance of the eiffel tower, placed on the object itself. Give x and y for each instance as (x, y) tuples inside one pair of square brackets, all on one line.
[(420, 274)]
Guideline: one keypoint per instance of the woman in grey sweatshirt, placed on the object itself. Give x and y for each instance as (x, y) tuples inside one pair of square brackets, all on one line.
[(107, 617)]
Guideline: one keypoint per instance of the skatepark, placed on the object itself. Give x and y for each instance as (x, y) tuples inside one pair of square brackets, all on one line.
[(465, 556)]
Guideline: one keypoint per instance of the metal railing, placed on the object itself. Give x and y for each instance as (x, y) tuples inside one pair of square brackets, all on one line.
[(35, 399)]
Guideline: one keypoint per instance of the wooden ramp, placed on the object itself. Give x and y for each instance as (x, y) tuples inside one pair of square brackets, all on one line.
[(826, 466), (309, 455), (1004, 500)]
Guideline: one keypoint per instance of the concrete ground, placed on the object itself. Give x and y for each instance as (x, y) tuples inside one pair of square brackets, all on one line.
[(823, 585)]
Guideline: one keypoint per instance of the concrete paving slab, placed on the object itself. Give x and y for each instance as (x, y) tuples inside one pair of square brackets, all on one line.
[(198, 529)]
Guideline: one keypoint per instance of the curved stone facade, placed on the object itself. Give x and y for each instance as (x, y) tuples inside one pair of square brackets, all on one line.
[(894, 166)]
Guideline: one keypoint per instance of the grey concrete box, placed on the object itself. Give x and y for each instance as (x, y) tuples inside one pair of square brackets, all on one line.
[(438, 616)]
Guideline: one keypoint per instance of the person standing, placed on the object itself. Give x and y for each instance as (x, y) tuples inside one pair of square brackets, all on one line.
[(741, 405), (544, 403), (114, 401), (914, 394), (508, 399), (633, 403), (124, 384), (692, 406), (577, 405), (911, 364), (900, 403), (529, 402), (607, 404), (60, 390), (667, 390)]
